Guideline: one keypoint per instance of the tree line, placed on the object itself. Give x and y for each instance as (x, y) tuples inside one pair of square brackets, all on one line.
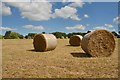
[(15, 35)]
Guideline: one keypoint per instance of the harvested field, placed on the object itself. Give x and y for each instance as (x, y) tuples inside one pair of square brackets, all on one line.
[(21, 61)]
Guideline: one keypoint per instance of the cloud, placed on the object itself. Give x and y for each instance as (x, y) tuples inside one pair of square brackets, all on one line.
[(99, 27), (109, 25), (66, 12), (34, 11), (40, 11), (102, 27), (117, 20), (77, 4), (5, 10), (87, 24), (6, 28), (70, 10), (77, 27), (32, 27), (15, 0), (86, 16)]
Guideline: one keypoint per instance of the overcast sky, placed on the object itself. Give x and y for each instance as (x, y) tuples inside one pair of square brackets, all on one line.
[(37, 17)]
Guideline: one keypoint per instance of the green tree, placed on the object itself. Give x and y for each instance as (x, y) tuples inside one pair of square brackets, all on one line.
[(83, 34), (114, 33), (21, 36), (70, 34), (43, 32), (14, 35), (26, 36), (59, 34), (78, 33), (88, 31), (30, 35), (7, 35)]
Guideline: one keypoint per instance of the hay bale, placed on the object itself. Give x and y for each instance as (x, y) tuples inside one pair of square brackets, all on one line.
[(99, 43), (62, 37), (66, 37), (44, 42), (75, 40)]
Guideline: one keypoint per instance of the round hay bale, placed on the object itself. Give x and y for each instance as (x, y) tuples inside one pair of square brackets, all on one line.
[(66, 37), (75, 40), (62, 37), (44, 42), (99, 43)]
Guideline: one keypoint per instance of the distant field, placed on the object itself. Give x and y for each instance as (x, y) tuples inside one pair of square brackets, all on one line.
[(19, 60)]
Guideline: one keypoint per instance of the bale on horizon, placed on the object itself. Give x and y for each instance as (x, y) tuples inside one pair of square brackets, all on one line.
[(99, 43), (44, 42), (75, 40)]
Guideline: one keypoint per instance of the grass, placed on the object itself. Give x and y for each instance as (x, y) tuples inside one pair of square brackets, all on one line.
[(21, 61)]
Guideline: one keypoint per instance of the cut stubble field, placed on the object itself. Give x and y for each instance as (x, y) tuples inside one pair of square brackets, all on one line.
[(19, 60)]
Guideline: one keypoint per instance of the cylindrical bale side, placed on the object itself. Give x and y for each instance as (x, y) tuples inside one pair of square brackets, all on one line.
[(51, 41), (44, 42), (99, 43), (75, 40)]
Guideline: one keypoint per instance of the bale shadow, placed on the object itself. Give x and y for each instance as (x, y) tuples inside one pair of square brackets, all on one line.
[(68, 45), (81, 54), (33, 50), (71, 45)]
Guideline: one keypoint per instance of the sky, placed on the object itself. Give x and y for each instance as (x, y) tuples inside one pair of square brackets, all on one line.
[(68, 17)]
